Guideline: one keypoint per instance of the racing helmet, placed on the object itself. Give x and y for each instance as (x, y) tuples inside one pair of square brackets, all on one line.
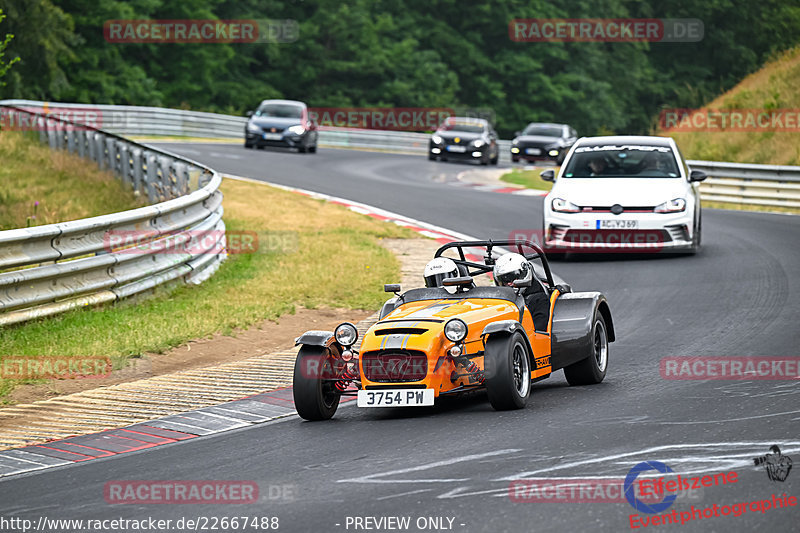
[(438, 269), (512, 267)]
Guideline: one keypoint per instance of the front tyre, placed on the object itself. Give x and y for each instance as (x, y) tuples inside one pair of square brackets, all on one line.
[(508, 372), (592, 369), (315, 397)]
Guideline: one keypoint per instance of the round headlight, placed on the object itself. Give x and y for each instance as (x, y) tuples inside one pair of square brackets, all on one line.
[(346, 334), (455, 330)]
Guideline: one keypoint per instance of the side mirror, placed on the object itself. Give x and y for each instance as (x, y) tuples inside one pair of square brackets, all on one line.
[(248, 114), (548, 175), (518, 284), (454, 282), (697, 175), (392, 287)]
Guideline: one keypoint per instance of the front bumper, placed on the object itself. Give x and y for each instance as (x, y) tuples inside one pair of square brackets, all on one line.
[(469, 153), (654, 232), (528, 153), (287, 140)]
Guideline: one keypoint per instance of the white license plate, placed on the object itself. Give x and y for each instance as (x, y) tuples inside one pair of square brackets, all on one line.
[(617, 224), (273, 136), (456, 148), (395, 397), (533, 151)]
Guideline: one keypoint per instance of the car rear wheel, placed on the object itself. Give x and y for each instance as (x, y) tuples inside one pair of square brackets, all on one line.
[(508, 372), (591, 370), (315, 397)]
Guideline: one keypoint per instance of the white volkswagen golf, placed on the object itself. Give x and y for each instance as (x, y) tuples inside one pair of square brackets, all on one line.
[(623, 193)]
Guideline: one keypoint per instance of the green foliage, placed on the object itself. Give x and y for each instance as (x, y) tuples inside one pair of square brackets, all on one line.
[(416, 53), (5, 65)]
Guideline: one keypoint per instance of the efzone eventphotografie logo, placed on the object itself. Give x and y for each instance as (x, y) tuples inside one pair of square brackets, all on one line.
[(196, 31), (47, 367), (729, 120), (196, 242), (668, 487), (613, 30), (730, 368)]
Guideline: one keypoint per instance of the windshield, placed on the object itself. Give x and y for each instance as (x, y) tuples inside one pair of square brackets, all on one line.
[(622, 161), (542, 131), (280, 111)]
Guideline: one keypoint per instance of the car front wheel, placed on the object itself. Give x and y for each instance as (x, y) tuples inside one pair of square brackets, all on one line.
[(592, 369), (508, 372), (315, 397)]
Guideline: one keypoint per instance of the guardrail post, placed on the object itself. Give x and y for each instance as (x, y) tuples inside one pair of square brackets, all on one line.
[(100, 150), (81, 140), (152, 179), (138, 170)]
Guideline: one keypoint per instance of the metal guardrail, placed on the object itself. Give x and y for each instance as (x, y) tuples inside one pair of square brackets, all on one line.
[(45, 270), (749, 184)]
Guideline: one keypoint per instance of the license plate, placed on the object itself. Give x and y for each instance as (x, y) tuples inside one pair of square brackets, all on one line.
[(273, 136), (395, 398), (456, 148), (617, 224), (533, 151)]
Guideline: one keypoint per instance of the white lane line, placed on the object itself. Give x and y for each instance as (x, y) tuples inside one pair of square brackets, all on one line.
[(667, 423), (372, 477), (403, 494)]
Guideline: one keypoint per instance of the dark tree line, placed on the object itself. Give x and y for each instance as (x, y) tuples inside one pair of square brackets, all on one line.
[(414, 53)]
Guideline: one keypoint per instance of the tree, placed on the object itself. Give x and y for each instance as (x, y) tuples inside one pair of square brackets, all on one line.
[(4, 66)]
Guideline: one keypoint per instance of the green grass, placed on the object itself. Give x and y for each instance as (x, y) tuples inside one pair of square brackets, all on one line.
[(333, 259), (528, 178), (42, 186), (774, 86)]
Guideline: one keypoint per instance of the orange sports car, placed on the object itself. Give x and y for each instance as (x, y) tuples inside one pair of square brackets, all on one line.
[(431, 342)]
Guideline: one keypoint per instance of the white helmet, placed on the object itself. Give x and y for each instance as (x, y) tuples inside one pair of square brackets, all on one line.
[(512, 267), (438, 269)]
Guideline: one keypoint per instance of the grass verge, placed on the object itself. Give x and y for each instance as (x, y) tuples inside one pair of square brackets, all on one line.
[(43, 186), (529, 179), (330, 256)]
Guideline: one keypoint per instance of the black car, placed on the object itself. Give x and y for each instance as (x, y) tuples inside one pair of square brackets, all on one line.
[(283, 123), (464, 138), (543, 142)]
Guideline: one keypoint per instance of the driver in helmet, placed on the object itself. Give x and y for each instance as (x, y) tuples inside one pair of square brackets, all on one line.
[(513, 267), (439, 269)]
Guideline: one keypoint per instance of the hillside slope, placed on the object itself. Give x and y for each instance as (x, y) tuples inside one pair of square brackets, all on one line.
[(776, 86)]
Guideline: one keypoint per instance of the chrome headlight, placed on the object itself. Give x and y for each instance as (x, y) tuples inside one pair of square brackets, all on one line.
[(253, 128), (296, 130), (477, 143), (563, 206), (436, 139), (675, 205), (346, 334), (455, 330)]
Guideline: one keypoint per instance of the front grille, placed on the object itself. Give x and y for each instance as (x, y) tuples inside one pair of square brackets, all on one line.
[(389, 366)]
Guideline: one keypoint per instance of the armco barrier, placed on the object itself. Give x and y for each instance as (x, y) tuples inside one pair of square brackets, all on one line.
[(767, 185), (49, 269)]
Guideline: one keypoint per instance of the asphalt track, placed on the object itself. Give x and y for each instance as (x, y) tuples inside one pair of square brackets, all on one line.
[(740, 296)]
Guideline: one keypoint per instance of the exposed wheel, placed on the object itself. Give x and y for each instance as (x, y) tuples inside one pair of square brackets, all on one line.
[(508, 372), (315, 397), (592, 369)]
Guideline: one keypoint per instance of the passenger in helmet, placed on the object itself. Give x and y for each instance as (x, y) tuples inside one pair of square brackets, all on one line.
[(439, 269), (513, 267)]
